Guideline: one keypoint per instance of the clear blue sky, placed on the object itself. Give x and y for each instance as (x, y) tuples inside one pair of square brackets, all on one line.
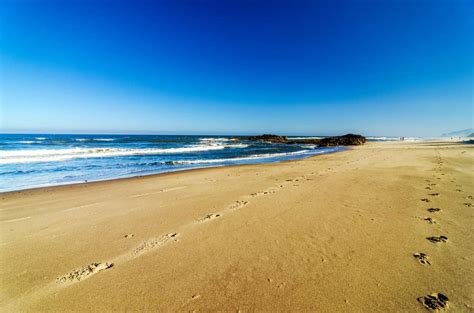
[(212, 67)]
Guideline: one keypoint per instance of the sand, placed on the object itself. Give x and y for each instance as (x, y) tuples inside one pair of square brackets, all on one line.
[(355, 231)]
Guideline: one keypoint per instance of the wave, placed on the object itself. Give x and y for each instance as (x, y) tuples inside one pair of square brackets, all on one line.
[(94, 139), (375, 138), (40, 138), (246, 158), (220, 139), (237, 145), (308, 146), (381, 138), (27, 142), (55, 155)]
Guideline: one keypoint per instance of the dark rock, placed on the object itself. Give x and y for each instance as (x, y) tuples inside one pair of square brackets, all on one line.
[(346, 140), (305, 141), (268, 138)]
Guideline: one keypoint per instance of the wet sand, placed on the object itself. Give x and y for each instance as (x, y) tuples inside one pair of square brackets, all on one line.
[(373, 229)]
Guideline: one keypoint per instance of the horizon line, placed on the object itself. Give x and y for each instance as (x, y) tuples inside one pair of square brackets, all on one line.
[(206, 134)]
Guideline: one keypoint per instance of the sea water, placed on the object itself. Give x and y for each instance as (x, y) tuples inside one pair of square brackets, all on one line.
[(37, 160)]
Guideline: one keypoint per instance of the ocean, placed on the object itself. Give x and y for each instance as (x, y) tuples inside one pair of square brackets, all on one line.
[(39, 160)]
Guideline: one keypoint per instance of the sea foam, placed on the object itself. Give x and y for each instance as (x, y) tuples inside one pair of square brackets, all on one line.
[(55, 155)]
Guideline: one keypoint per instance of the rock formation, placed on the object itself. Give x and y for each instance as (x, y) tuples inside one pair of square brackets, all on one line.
[(268, 138), (346, 140)]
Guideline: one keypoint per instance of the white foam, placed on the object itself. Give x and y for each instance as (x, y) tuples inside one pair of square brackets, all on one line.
[(308, 146), (412, 139), (40, 138), (217, 140), (26, 141), (56, 155), (384, 138), (250, 157), (237, 145)]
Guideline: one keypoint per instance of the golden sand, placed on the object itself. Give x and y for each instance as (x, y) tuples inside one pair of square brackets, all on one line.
[(356, 231)]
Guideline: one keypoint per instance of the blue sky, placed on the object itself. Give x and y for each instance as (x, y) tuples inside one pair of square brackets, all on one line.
[(402, 68)]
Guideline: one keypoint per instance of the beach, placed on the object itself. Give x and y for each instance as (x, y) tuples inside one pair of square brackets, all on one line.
[(330, 233)]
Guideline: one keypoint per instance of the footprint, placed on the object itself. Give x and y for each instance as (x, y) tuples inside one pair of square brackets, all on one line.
[(433, 210), (238, 204), (425, 200), (422, 258), (261, 193), (281, 285), (81, 273), (434, 194), (434, 302), (209, 217), (468, 204), (470, 197), (437, 239), (458, 190), (153, 243), (128, 236), (428, 188), (430, 220)]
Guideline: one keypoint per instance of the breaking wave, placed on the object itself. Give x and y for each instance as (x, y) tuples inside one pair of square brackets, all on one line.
[(55, 155)]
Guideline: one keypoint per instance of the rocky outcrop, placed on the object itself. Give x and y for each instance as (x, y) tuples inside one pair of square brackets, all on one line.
[(346, 140), (311, 141), (268, 138)]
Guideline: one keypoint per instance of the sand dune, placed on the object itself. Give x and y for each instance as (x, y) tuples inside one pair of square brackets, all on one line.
[(365, 230)]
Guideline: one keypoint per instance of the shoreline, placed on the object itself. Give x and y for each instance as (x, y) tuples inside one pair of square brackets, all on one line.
[(78, 183), (335, 233)]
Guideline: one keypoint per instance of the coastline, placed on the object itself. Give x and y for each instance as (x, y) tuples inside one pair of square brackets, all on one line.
[(29, 161), (181, 170), (274, 236)]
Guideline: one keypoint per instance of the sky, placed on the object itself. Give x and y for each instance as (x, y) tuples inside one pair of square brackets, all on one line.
[(387, 68)]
